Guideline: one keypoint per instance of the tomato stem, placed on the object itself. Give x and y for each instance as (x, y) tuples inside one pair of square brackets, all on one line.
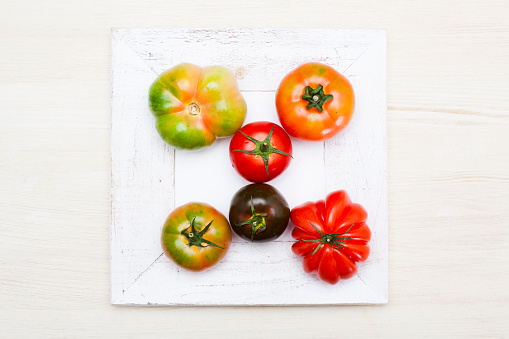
[(195, 238), (263, 148), (257, 221), (332, 239), (316, 97), (193, 108)]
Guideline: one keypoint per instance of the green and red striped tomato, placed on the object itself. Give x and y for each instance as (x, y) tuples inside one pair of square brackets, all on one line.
[(196, 236), (193, 106)]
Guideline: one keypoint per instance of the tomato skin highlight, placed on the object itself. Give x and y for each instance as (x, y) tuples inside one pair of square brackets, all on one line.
[(309, 123), (268, 203), (176, 245), (193, 105), (332, 236), (252, 167)]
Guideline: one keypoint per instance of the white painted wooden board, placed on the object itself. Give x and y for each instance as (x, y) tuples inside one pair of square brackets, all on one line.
[(149, 178)]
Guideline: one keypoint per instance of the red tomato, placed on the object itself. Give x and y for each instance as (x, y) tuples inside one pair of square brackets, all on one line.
[(332, 236), (260, 151), (314, 102)]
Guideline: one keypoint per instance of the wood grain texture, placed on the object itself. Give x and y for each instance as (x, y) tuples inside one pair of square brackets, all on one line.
[(149, 178), (142, 173), (448, 166)]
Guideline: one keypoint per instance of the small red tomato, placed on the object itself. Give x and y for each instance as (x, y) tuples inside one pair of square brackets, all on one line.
[(260, 151)]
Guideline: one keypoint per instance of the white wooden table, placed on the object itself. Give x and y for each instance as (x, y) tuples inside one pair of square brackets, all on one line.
[(448, 128)]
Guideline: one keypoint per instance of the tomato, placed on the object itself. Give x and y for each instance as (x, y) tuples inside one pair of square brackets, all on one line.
[(260, 151), (193, 106), (332, 236), (314, 102), (196, 236), (259, 212)]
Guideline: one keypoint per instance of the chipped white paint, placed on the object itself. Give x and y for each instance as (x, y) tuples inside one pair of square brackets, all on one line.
[(149, 178)]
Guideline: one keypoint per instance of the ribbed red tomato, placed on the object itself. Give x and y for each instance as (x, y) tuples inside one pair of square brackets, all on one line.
[(332, 236)]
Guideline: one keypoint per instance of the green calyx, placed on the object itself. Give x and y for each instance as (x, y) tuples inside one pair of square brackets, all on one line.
[(263, 148), (333, 239), (195, 238), (257, 221), (316, 97)]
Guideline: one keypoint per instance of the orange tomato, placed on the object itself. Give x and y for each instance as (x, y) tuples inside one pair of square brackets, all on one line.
[(314, 102)]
